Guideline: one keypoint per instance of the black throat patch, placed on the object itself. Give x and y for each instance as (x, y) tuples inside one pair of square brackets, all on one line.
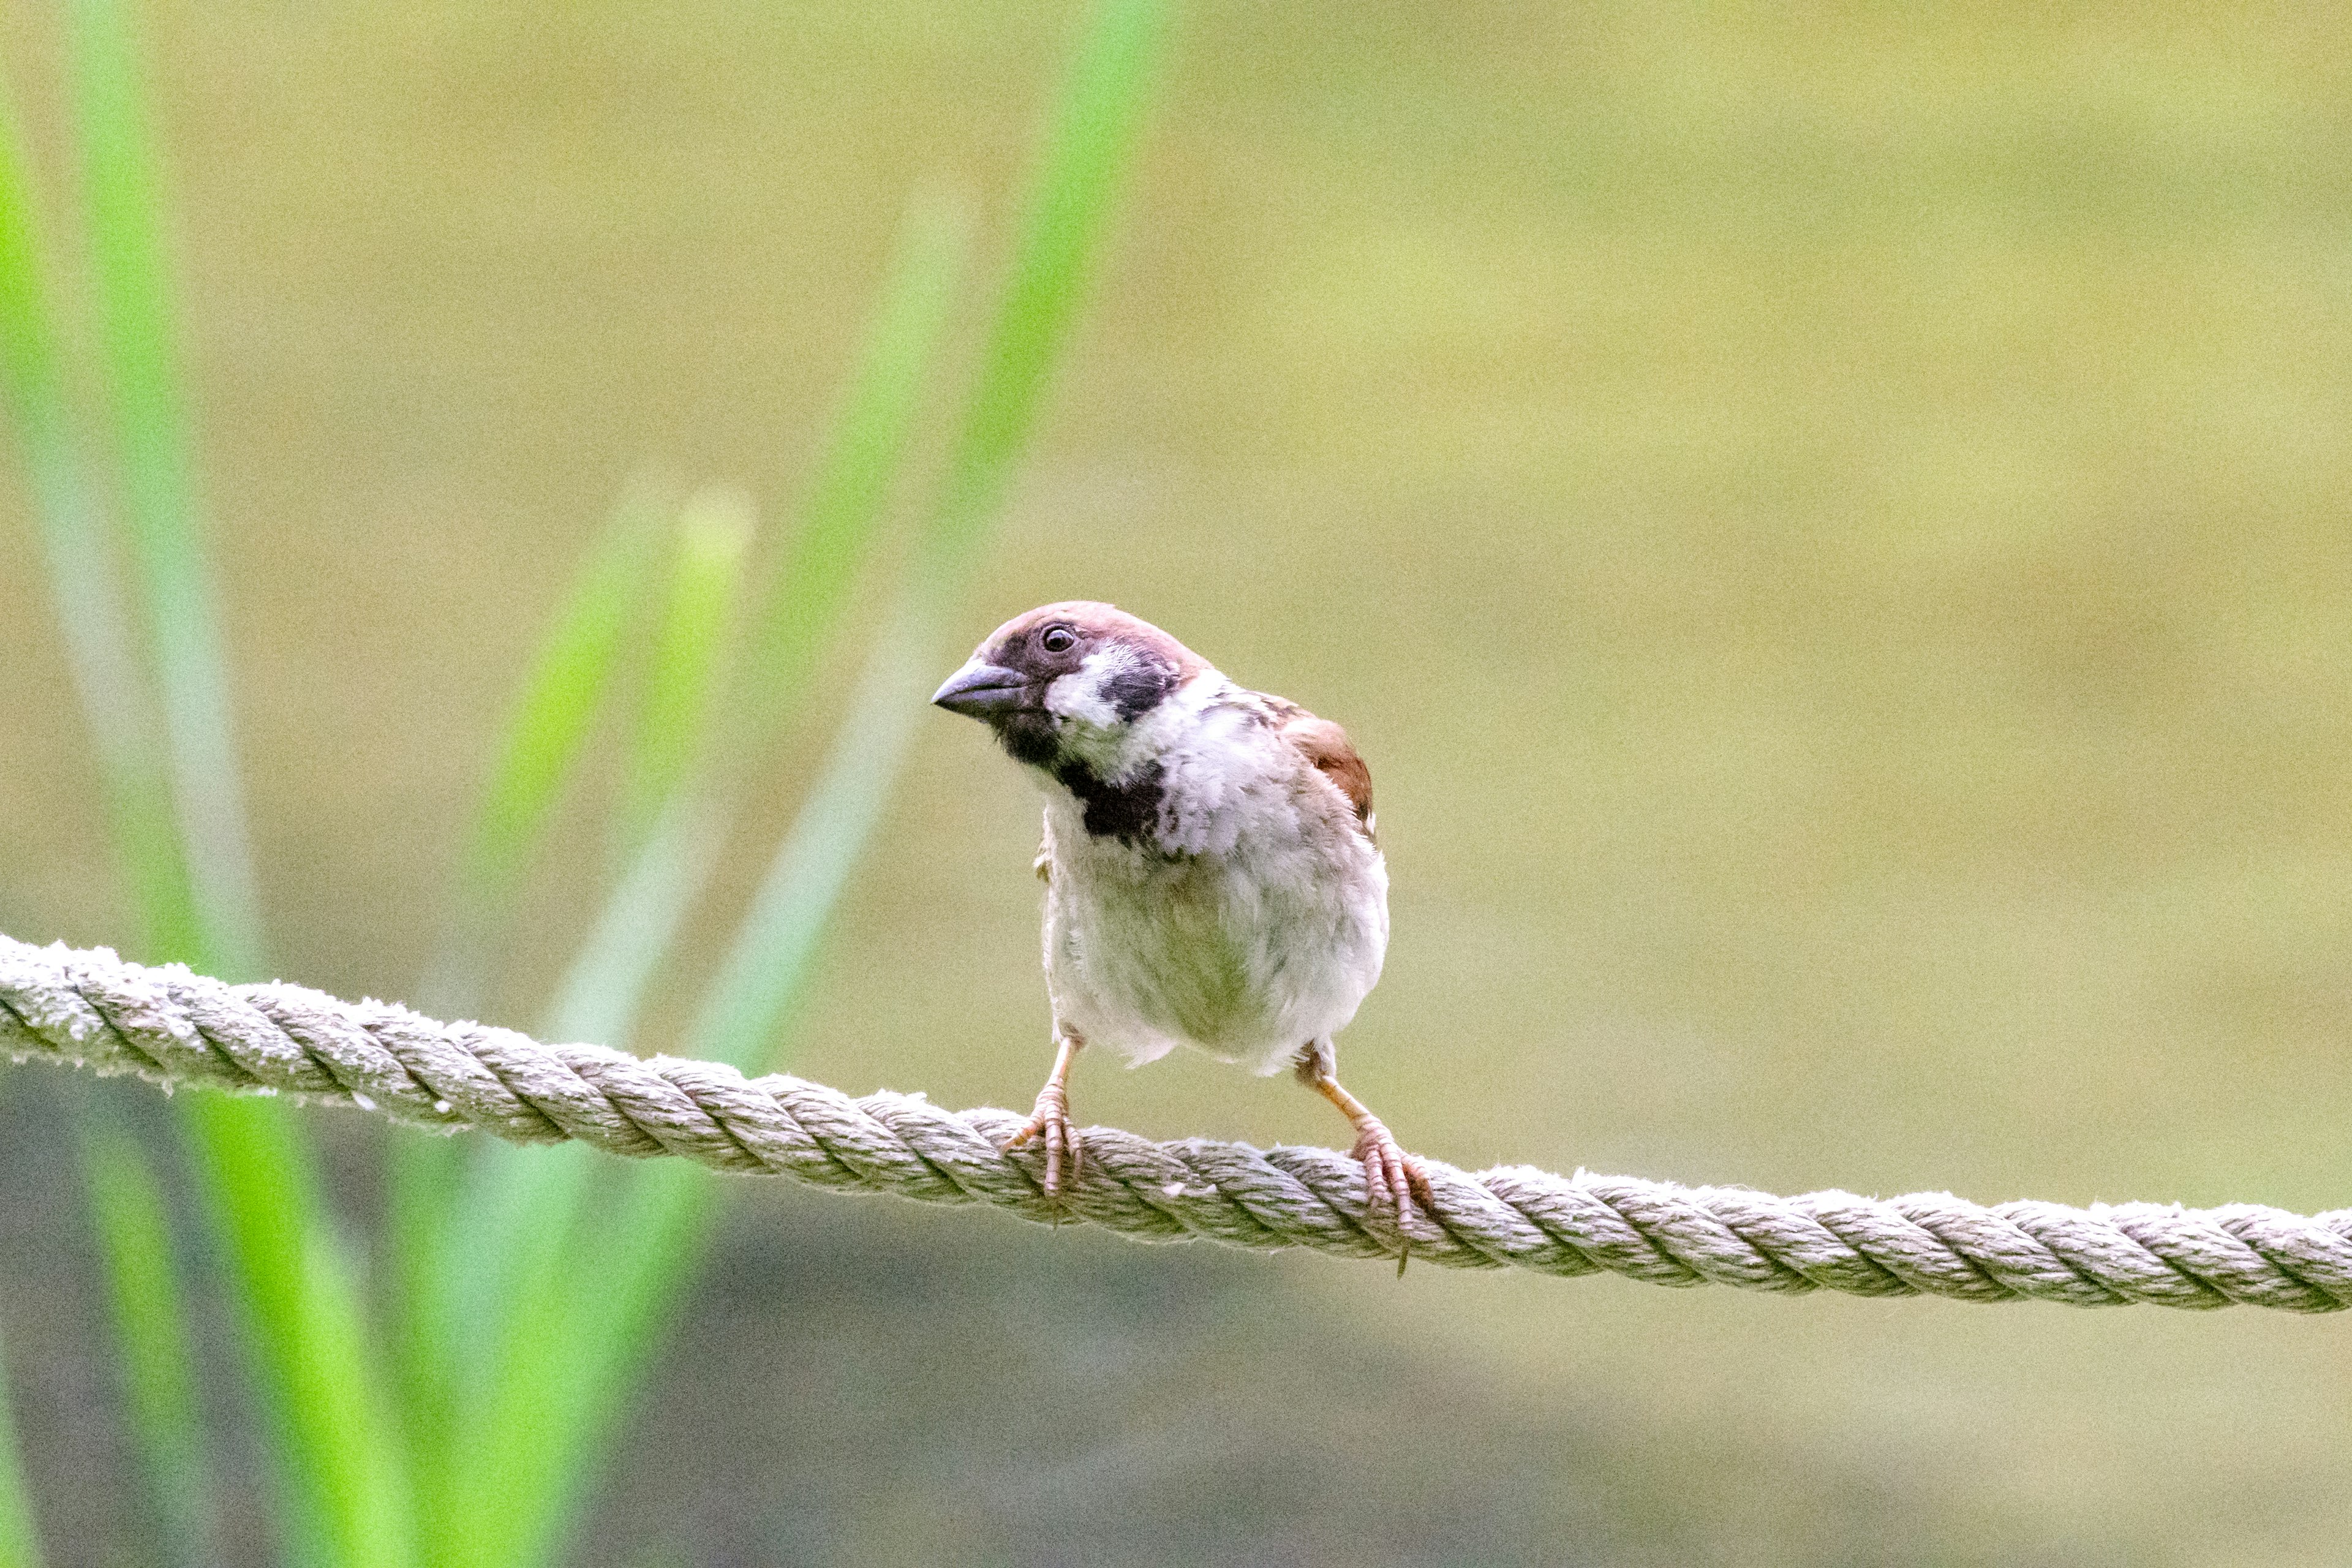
[(1029, 736), (1128, 811)]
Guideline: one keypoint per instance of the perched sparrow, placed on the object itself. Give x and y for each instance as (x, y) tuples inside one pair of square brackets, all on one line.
[(1211, 876)]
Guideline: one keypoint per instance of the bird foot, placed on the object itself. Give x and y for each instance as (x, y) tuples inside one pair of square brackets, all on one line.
[(1050, 1123), (1390, 1173)]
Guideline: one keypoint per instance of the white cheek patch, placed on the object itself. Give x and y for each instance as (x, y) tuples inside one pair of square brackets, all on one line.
[(1079, 695), (1183, 719)]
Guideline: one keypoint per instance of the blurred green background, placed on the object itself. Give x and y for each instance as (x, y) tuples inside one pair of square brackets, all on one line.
[(1829, 524)]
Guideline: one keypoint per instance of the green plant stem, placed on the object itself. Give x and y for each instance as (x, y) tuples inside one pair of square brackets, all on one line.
[(522, 1211), (161, 506), (606, 981), (562, 1369), (1098, 117), (299, 1293), (857, 474), (151, 1324), (689, 655), (347, 1496), (570, 682), (20, 1547), (133, 775), (424, 1175), (120, 1181)]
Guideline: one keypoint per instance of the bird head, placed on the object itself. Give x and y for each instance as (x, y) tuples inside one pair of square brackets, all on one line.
[(1068, 682)]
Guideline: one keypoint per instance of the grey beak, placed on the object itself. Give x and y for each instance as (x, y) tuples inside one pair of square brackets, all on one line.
[(982, 690)]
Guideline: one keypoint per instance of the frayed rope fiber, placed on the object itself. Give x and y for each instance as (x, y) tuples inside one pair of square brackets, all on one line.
[(94, 1010)]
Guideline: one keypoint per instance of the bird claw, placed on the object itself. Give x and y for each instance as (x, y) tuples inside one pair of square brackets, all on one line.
[(1391, 1175), (1050, 1124)]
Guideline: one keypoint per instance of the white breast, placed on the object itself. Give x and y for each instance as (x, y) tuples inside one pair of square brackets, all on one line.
[(1254, 925)]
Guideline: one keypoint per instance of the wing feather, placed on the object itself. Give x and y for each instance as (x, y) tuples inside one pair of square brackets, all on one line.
[(1326, 745)]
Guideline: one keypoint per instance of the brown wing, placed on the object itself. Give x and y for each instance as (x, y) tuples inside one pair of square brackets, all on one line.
[(1325, 744)]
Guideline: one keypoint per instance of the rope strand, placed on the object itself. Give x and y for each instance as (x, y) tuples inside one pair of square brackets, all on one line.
[(94, 1010)]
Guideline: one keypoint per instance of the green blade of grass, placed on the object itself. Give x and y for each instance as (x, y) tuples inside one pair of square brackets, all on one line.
[(520, 1211), (425, 1174), (158, 476), (133, 780), (302, 1306), (301, 1309), (151, 1322), (20, 1547), (574, 1349), (759, 981), (1091, 140), (566, 1366), (525, 1210), (712, 537), (570, 681), (522, 1204), (714, 532), (835, 532), (120, 1181), (855, 479)]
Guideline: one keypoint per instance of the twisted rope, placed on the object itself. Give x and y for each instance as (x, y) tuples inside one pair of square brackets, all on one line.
[(167, 1024)]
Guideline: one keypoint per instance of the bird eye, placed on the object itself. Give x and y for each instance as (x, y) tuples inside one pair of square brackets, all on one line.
[(1057, 639)]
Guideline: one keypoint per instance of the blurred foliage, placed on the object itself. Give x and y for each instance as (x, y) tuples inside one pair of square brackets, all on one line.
[(1826, 523), (515, 1355), (559, 699), (153, 1329), (137, 794), (193, 889), (19, 1546)]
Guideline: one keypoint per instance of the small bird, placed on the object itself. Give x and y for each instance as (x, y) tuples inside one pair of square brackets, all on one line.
[(1211, 878)]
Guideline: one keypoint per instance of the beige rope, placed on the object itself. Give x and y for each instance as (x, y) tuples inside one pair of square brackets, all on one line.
[(167, 1024)]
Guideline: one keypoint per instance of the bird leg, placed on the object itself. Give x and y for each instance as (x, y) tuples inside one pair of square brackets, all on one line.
[(1051, 1120), (1390, 1173)]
